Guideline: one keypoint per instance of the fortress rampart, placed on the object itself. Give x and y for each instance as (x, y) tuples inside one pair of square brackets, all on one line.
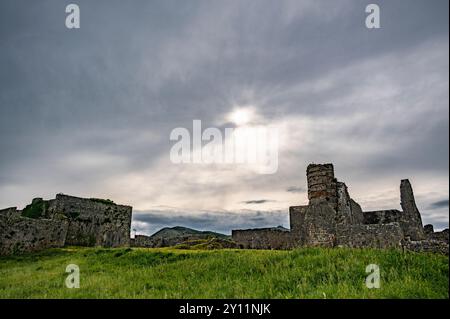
[(65, 220)]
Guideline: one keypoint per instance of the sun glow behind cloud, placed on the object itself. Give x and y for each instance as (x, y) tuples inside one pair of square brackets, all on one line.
[(242, 115)]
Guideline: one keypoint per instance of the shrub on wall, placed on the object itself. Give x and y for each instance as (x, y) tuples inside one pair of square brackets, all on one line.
[(35, 209)]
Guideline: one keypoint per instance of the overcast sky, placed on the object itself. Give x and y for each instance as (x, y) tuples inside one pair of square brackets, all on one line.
[(89, 111)]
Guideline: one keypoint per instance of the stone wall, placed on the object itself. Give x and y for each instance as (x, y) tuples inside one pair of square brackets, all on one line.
[(428, 229), (321, 184), (65, 220), (150, 242), (344, 208), (93, 222), (357, 213), (263, 238), (411, 220), (319, 227), (23, 234), (297, 221), (374, 236), (348, 212), (442, 236), (10, 211), (142, 241), (428, 245), (382, 216)]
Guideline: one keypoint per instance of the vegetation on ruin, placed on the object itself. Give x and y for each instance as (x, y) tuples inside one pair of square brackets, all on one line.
[(176, 273), (35, 209)]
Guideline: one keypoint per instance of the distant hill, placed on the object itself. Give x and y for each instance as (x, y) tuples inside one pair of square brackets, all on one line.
[(179, 231), (172, 236)]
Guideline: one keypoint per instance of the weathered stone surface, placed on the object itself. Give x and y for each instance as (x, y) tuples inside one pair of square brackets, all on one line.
[(411, 220), (321, 184), (297, 220), (142, 241), (93, 222), (23, 234), (348, 211), (428, 229), (66, 220), (319, 225), (439, 236), (382, 216), (374, 236), (357, 213), (9, 211), (344, 208), (428, 245), (263, 238)]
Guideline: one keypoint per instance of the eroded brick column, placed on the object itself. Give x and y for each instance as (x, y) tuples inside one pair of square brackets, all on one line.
[(321, 184)]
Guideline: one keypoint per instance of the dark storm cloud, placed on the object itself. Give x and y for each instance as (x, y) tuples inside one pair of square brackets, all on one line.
[(295, 189), (439, 204), (440, 226), (80, 109), (258, 201)]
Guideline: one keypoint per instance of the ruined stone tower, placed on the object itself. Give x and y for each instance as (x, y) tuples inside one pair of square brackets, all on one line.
[(411, 221), (319, 217), (333, 219), (321, 184)]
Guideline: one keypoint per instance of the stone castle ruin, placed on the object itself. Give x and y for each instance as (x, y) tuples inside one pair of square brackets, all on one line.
[(65, 220), (333, 219)]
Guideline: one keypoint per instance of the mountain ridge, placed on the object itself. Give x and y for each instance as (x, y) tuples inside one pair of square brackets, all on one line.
[(181, 230)]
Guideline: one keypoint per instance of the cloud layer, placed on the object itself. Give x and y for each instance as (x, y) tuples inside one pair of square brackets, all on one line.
[(89, 112)]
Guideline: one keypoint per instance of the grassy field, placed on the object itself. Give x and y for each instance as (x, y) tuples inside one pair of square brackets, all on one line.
[(174, 273)]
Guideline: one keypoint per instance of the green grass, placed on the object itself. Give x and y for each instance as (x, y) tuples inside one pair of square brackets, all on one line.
[(174, 273)]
